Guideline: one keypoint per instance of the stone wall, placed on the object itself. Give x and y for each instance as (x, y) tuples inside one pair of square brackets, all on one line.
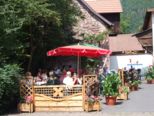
[(89, 25)]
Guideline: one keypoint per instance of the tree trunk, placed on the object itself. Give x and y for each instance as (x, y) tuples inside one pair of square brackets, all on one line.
[(32, 49), (31, 58)]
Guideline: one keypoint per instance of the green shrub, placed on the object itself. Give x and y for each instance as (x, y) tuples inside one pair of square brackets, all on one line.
[(150, 73), (9, 87), (111, 84), (135, 82)]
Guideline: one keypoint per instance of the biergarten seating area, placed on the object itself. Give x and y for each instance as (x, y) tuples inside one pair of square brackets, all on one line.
[(60, 97), (80, 96)]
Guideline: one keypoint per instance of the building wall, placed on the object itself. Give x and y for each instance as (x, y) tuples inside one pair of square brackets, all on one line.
[(137, 61), (153, 31), (89, 25)]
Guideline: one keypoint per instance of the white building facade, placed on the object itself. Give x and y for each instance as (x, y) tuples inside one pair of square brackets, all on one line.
[(142, 61)]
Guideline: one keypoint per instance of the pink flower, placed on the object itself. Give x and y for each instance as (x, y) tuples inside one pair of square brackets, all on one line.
[(29, 99), (92, 96), (97, 98)]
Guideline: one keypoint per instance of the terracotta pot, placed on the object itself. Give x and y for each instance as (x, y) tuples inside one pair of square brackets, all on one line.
[(152, 81), (110, 100), (127, 84), (149, 81), (134, 88)]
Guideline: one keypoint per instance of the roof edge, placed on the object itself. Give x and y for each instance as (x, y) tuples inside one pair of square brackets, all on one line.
[(108, 23), (150, 10), (142, 32)]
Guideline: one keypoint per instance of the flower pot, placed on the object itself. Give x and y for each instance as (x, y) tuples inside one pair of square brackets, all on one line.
[(110, 100), (92, 106), (25, 107), (88, 106), (127, 84), (149, 81), (134, 87), (123, 96), (97, 106), (152, 81)]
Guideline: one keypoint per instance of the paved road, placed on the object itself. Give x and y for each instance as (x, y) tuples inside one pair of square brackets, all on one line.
[(86, 114), (140, 103)]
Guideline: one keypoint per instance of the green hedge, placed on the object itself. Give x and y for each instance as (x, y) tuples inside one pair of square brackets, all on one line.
[(9, 87)]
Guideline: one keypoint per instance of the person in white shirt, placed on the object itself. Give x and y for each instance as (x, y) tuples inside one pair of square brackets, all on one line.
[(68, 80)]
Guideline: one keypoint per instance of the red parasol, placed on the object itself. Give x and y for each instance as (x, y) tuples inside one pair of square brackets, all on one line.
[(86, 50)]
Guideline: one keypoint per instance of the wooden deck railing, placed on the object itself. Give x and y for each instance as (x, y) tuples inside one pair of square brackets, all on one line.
[(58, 98)]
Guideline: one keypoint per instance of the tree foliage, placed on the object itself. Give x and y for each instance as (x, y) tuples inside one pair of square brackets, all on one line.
[(96, 39), (9, 86), (31, 27), (133, 14)]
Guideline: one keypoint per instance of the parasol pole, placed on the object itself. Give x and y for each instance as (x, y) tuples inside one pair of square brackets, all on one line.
[(105, 61), (78, 60)]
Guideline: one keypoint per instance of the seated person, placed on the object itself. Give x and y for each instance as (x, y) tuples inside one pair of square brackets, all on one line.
[(68, 80), (44, 76), (28, 79), (63, 75), (42, 79), (76, 79), (38, 79), (51, 80)]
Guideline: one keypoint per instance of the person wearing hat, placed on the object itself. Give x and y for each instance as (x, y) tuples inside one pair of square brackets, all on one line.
[(28, 79), (68, 80)]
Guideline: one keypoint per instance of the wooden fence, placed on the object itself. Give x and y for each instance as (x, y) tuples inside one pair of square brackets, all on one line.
[(58, 98)]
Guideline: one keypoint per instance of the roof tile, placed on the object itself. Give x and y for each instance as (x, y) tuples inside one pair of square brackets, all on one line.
[(124, 42), (105, 6)]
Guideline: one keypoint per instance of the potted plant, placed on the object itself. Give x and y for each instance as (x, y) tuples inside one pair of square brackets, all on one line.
[(92, 98), (149, 80), (134, 85), (150, 75), (111, 85), (123, 92), (26, 104), (92, 103)]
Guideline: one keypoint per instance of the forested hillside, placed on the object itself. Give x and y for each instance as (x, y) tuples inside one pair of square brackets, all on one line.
[(133, 14)]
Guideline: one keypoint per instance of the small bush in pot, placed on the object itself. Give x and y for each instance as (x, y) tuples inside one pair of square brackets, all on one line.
[(134, 85), (111, 85), (123, 92), (150, 75)]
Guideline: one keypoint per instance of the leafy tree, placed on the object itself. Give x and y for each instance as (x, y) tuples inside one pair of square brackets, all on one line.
[(29, 28), (95, 39), (133, 14)]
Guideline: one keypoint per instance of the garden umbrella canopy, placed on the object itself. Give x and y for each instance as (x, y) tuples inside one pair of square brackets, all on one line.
[(86, 50)]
